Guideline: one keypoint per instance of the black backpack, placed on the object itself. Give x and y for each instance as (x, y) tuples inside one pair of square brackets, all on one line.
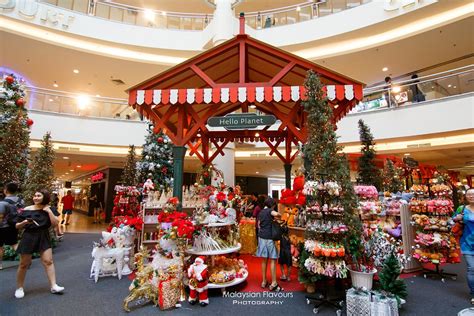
[(12, 210)]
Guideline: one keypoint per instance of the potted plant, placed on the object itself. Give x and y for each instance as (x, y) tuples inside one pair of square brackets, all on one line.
[(361, 257)]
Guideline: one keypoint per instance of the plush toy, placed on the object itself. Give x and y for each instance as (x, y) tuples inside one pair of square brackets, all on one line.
[(291, 217), (148, 186), (298, 183), (198, 279)]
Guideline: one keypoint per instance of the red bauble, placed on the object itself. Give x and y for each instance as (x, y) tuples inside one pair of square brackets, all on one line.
[(164, 170), (206, 174), (20, 102), (29, 122), (160, 140), (9, 79)]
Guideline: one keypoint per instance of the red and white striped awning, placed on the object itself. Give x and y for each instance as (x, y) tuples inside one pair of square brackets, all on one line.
[(242, 94)]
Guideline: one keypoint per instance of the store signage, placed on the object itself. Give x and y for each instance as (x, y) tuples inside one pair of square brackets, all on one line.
[(241, 121), (99, 176)]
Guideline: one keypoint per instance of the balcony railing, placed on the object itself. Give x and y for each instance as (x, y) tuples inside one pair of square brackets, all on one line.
[(402, 94), (190, 21)]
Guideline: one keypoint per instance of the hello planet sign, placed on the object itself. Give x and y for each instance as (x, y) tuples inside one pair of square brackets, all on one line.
[(241, 121)]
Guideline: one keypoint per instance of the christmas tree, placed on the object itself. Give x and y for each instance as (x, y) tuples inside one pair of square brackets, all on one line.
[(14, 131), (130, 172), (157, 160), (391, 178), (369, 174), (323, 160), (41, 173), (389, 278)]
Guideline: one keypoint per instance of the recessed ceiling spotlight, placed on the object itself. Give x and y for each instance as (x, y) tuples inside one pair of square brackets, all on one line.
[(67, 172), (55, 84), (50, 100), (257, 135), (449, 86), (72, 170), (65, 157), (407, 154), (78, 166), (257, 172), (384, 69), (253, 106), (298, 8), (454, 87), (97, 95)]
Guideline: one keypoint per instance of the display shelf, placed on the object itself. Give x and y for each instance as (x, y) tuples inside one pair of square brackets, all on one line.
[(216, 224), (297, 228), (214, 252), (228, 284)]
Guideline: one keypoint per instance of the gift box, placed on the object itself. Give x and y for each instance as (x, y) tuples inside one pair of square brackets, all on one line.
[(370, 303), (168, 293)]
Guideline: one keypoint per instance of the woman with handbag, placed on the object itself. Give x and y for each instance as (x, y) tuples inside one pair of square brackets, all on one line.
[(267, 235), (465, 216)]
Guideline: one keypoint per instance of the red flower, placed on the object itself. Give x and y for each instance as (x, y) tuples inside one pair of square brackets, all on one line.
[(220, 196), (173, 200)]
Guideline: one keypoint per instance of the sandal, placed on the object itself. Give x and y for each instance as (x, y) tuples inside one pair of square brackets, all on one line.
[(263, 285), (275, 288)]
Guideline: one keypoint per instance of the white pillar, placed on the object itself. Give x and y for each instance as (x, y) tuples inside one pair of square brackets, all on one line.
[(226, 164), (224, 20)]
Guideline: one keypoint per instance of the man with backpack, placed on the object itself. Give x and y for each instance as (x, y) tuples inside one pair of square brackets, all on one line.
[(8, 212)]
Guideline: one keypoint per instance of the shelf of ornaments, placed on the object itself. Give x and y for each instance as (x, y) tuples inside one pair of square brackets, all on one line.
[(217, 252)]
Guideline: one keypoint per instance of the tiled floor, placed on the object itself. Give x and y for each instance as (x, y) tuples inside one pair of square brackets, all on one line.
[(81, 223)]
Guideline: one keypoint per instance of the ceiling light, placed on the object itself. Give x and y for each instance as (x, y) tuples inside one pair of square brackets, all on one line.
[(163, 13), (149, 14), (384, 69), (82, 101), (78, 166), (50, 100), (76, 71), (65, 157), (449, 86), (407, 154), (298, 8), (454, 87), (257, 135), (396, 89), (253, 106), (72, 170), (67, 172), (55, 84), (97, 95), (257, 172), (198, 135)]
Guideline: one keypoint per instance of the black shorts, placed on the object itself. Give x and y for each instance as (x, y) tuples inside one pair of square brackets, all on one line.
[(34, 241), (8, 236)]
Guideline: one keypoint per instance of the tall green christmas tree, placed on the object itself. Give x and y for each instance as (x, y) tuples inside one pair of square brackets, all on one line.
[(41, 173), (14, 131), (130, 172), (391, 178), (323, 158), (157, 160), (368, 173)]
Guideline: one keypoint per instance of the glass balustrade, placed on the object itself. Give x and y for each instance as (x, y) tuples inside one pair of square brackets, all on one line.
[(402, 94), (414, 91), (188, 21)]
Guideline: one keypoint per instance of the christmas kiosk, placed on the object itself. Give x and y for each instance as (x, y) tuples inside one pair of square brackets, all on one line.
[(225, 87)]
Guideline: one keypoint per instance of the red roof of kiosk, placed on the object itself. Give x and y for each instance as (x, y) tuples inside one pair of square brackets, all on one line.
[(230, 77)]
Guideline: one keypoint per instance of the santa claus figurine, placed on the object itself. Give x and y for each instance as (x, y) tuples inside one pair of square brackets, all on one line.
[(198, 279), (148, 186)]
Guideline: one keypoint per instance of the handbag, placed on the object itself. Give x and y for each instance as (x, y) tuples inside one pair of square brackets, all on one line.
[(277, 230)]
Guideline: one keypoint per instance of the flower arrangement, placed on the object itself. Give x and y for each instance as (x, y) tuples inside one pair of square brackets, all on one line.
[(120, 221)]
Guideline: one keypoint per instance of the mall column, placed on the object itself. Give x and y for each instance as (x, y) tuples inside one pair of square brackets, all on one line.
[(178, 167), (288, 175)]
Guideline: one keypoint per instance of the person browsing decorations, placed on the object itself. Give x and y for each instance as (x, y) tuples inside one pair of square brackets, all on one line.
[(266, 246), (68, 205), (465, 214), (36, 220)]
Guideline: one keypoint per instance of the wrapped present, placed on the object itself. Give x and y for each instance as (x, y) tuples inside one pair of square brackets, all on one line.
[(168, 293), (370, 303), (358, 303)]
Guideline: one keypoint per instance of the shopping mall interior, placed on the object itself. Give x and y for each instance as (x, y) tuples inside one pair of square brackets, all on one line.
[(97, 73)]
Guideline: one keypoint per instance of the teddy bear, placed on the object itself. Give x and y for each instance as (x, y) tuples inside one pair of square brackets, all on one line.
[(291, 216)]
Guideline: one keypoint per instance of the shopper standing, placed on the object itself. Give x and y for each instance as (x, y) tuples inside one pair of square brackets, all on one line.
[(68, 205), (266, 246), (465, 214), (36, 220), (418, 96), (260, 205), (388, 93), (8, 211)]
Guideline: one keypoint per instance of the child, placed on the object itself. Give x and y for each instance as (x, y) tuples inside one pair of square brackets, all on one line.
[(285, 254)]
